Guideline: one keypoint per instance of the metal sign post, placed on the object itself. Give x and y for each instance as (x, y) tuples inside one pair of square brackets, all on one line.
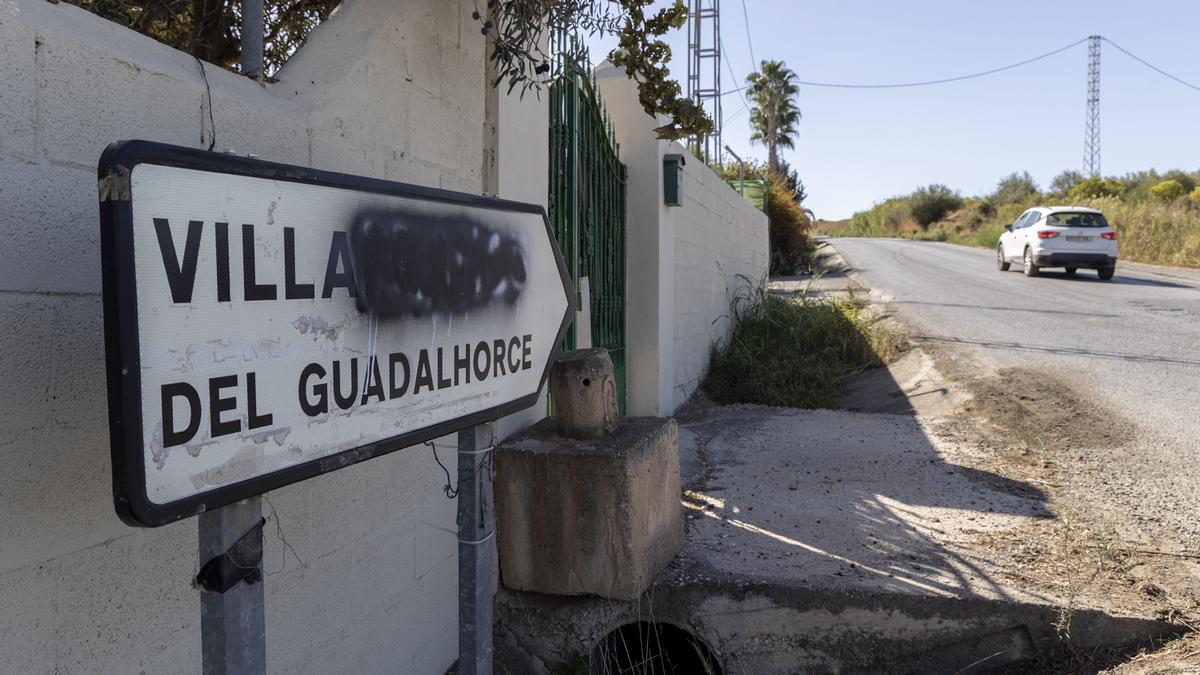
[(232, 618), (476, 548)]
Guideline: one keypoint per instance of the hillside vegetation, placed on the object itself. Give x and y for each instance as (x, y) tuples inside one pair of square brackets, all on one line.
[(1157, 216)]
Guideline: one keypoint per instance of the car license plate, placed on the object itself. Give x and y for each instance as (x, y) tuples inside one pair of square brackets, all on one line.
[(1079, 238)]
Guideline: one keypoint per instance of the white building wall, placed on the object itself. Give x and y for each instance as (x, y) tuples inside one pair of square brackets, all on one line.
[(649, 246), (721, 245), (385, 89), (683, 261)]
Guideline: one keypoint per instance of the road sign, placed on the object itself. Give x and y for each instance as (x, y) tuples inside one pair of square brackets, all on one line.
[(266, 323)]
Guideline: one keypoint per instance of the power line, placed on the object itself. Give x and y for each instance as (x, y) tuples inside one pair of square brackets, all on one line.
[(729, 67), (1149, 65), (896, 85), (749, 42), (734, 116)]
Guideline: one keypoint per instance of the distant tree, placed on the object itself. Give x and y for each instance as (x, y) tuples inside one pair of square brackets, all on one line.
[(773, 115), (1095, 186), (1015, 188), (1066, 180), (1168, 190), (930, 204), (1194, 197)]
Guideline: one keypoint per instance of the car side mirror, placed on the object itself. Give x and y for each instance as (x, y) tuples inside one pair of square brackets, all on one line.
[(1008, 227)]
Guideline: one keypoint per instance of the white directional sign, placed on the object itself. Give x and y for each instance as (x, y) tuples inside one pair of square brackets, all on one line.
[(267, 323)]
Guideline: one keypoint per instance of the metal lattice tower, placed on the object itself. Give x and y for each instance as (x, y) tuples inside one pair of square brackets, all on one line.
[(704, 72), (1091, 138)]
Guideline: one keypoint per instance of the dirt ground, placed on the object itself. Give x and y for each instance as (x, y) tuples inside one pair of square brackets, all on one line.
[(1020, 428), (1028, 427)]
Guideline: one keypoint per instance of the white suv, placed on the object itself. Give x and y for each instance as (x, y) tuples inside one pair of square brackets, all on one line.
[(1059, 236)]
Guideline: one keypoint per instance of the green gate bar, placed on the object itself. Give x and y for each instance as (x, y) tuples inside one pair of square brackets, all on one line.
[(587, 198)]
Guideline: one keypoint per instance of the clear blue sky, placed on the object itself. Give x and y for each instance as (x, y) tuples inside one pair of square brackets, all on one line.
[(857, 147)]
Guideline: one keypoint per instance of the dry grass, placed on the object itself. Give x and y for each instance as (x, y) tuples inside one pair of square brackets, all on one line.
[(1181, 655), (796, 352)]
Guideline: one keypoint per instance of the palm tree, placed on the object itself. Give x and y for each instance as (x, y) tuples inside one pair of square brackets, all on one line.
[(774, 114)]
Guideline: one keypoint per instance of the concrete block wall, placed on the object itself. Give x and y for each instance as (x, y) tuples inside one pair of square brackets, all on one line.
[(682, 262), (721, 245), (385, 89)]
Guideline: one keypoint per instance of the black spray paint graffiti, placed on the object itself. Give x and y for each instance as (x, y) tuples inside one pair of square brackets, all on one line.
[(416, 264)]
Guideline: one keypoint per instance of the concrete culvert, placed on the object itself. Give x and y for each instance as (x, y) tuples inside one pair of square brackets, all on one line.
[(651, 648)]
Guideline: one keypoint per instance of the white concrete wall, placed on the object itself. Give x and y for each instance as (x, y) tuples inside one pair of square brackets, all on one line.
[(650, 244), (721, 241), (683, 261), (385, 89)]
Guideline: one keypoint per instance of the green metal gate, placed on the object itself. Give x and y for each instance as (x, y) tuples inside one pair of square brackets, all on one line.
[(587, 198)]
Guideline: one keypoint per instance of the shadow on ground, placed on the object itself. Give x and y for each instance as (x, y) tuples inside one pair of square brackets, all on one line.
[(843, 500), (834, 541)]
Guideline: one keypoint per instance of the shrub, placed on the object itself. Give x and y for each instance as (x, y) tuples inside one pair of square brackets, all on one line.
[(979, 211), (1015, 188), (984, 208), (1168, 190), (1094, 187), (1009, 213), (1063, 182), (1187, 180), (930, 204), (788, 225), (1194, 196), (1138, 184), (886, 219), (988, 236)]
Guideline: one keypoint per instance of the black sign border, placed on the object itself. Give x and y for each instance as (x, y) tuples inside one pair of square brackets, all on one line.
[(121, 345)]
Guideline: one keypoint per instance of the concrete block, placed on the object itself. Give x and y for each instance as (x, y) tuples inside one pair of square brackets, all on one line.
[(332, 511), (241, 120), (57, 495), (124, 100), (26, 360), (51, 222), (27, 622), (600, 517), (78, 396), (436, 547), (128, 606), (321, 613), (18, 116)]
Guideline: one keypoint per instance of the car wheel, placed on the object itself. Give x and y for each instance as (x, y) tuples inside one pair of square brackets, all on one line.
[(1106, 273), (1001, 263), (1031, 270), (1071, 270)]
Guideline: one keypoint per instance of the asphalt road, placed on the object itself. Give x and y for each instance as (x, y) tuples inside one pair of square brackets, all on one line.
[(1132, 344)]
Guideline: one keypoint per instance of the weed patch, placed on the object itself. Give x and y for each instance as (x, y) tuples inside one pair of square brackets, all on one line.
[(795, 352)]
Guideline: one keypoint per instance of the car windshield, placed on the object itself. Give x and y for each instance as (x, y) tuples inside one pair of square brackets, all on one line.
[(1076, 220)]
